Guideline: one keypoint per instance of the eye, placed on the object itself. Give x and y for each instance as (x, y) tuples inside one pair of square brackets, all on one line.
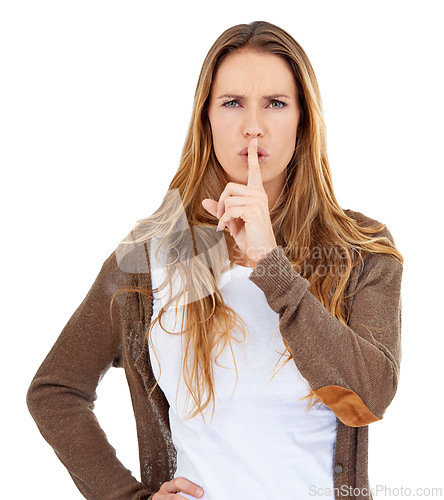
[(282, 104), (232, 104), (227, 104)]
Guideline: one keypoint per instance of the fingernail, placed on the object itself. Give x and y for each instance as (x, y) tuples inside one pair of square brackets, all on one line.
[(199, 491)]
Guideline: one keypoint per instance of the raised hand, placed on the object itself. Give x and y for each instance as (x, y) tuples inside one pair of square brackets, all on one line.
[(244, 209)]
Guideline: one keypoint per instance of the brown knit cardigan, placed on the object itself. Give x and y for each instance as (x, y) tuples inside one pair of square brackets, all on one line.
[(355, 375)]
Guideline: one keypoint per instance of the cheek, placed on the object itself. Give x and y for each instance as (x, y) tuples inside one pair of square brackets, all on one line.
[(288, 134), (222, 127), (287, 142), (221, 137)]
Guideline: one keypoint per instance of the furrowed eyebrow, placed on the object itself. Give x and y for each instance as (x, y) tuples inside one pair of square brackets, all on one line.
[(268, 97)]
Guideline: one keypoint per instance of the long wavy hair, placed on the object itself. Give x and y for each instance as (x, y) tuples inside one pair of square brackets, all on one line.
[(321, 241)]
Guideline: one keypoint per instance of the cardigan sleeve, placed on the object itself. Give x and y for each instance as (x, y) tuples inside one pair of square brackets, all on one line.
[(352, 368), (62, 393)]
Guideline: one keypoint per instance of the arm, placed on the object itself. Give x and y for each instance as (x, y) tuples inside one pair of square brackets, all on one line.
[(62, 394), (354, 374)]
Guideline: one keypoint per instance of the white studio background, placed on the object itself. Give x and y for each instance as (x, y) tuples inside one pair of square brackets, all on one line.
[(96, 99)]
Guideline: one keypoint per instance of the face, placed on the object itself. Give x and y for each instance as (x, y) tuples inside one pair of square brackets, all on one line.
[(254, 95)]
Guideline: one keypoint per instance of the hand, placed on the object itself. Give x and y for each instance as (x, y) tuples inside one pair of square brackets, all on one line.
[(244, 209), (177, 484)]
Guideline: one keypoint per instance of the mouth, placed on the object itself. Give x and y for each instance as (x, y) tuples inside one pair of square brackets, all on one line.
[(260, 158), (262, 155)]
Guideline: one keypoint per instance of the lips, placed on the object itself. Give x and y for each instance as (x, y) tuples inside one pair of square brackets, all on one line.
[(262, 155), (260, 152)]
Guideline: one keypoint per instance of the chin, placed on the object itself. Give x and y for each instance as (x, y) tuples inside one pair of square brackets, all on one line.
[(238, 179)]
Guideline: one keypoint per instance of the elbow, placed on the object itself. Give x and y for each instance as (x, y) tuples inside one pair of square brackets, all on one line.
[(346, 405), (33, 401), (39, 400), (354, 410)]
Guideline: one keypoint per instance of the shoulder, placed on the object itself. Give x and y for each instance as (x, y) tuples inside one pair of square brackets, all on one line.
[(131, 256), (365, 221), (376, 264)]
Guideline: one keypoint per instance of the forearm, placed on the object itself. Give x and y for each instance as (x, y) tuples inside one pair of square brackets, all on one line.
[(354, 374)]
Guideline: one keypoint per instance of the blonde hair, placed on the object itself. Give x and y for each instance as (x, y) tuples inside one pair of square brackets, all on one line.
[(320, 240)]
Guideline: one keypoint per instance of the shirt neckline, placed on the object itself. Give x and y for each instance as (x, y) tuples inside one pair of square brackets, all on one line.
[(238, 266)]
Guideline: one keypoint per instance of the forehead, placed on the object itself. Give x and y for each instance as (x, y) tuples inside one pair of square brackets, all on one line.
[(241, 71)]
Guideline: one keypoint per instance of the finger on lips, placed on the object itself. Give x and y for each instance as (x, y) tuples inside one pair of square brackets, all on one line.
[(254, 170), (254, 181)]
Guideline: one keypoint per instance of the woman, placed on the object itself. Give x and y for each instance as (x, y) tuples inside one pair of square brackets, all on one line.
[(249, 239)]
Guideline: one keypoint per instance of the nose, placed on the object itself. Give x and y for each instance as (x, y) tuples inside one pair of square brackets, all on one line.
[(252, 126)]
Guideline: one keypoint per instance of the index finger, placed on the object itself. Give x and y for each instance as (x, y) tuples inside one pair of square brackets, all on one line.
[(254, 170)]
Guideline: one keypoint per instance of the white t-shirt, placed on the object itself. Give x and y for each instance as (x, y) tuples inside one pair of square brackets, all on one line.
[(261, 443)]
